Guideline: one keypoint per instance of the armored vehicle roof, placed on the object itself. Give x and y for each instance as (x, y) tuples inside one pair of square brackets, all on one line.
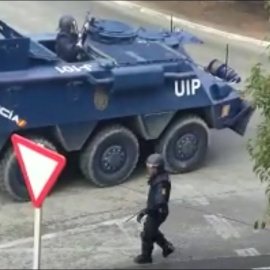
[(108, 39), (21, 49), (127, 45), (138, 52)]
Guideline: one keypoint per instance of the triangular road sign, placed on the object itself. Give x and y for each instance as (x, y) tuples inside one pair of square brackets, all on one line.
[(40, 167)]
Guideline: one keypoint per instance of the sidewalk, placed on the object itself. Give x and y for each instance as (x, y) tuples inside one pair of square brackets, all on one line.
[(247, 18)]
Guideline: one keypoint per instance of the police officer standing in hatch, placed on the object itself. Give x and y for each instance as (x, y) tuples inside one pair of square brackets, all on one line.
[(156, 212), (68, 44)]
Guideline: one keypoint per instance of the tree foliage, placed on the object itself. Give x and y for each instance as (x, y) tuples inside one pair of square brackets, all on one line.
[(267, 5), (258, 89)]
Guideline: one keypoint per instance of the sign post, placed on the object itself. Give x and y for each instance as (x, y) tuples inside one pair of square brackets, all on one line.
[(40, 167), (37, 238)]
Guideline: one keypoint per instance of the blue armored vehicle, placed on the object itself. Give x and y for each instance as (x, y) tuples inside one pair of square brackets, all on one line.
[(137, 88)]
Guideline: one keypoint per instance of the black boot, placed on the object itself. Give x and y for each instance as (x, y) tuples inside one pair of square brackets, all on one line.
[(164, 244), (146, 255), (142, 259), (167, 250)]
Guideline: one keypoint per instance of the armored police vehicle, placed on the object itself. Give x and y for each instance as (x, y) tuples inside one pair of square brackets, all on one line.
[(138, 87)]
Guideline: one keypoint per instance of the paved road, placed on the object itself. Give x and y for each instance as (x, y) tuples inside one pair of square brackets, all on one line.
[(213, 208), (256, 263), (202, 227)]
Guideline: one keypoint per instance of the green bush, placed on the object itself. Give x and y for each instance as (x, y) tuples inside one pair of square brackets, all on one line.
[(267, 5), (258, 89)]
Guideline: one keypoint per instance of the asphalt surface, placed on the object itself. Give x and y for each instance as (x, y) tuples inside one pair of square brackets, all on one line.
[(252, 262), (212, 210)]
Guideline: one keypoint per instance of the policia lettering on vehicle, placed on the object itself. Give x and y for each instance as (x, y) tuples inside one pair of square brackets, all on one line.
[(68, 44), (156, 212)]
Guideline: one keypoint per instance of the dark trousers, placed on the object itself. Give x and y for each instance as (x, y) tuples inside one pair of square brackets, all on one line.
[(151, 234)]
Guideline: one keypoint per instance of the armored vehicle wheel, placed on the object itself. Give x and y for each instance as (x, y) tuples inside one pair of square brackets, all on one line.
[(11, 179), (184, 145), (110, 157)]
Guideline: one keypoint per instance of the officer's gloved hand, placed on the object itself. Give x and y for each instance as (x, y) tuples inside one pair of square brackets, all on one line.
[(79, 43), (141, 215)]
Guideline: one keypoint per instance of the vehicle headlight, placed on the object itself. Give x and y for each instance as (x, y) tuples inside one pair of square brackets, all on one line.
[(225, 111)]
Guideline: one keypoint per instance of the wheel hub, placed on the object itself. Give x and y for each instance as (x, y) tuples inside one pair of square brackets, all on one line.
[(113, 159), (186, 147)]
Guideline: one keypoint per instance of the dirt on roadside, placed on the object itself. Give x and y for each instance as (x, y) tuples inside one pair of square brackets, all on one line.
[(243, 17)]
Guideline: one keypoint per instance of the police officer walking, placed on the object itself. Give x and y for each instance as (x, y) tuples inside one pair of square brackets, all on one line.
[(156, 212), (68, 45)]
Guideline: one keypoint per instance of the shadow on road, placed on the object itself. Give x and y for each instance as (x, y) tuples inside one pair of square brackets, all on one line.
[(221, 263)]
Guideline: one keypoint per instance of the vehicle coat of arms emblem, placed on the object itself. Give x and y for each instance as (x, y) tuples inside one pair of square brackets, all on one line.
[(101, 99)]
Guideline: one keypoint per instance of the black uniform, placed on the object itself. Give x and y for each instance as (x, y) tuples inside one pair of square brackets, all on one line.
[(67, 39), (66, 46), (157, 211)]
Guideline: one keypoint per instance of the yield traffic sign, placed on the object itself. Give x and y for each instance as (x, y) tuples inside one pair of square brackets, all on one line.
[(40, 167)]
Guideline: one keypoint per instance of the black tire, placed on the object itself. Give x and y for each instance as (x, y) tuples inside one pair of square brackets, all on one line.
[(191, 130), (114, 138), (11, 178)]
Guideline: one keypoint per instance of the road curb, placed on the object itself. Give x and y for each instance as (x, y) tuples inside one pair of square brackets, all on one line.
[(189, 24)]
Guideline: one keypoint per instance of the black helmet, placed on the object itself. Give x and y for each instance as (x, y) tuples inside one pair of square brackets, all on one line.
[(155, 160), (68, 24)]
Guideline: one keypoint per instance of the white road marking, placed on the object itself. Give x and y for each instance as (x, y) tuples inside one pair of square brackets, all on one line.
[(189, 194), (63, 233), (222, 226), (183, 22), (262, 268), (72, 249), (248, 252), (199, 201)]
